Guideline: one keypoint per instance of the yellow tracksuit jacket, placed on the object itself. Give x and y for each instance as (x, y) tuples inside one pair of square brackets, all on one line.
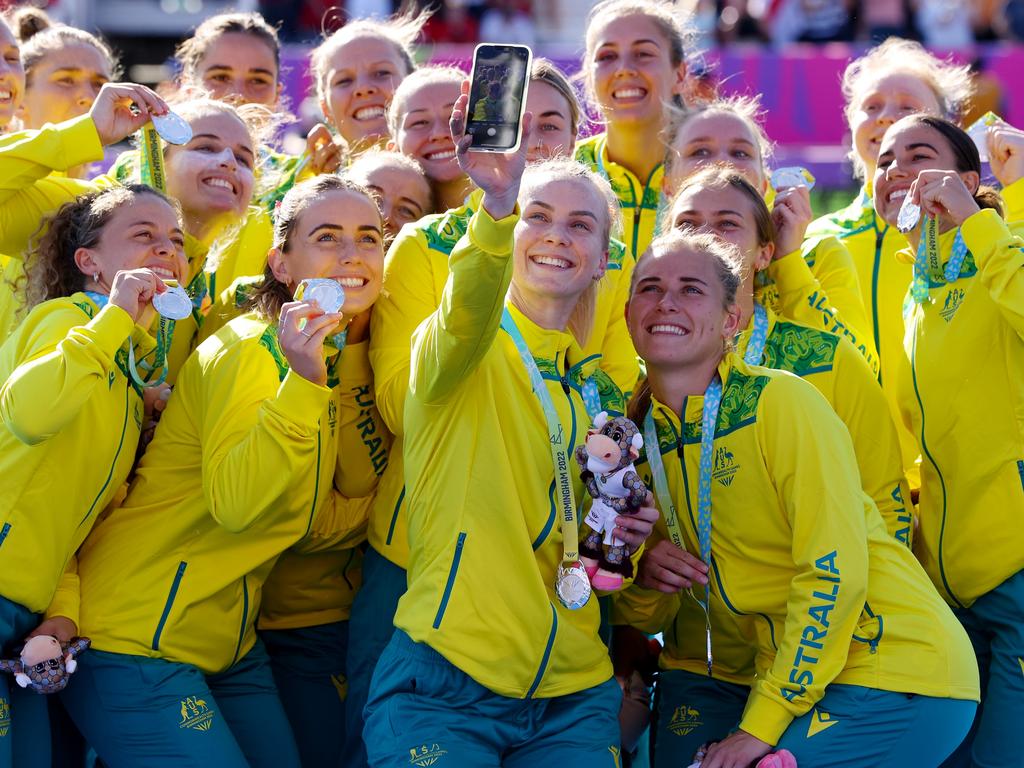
[(71, 421), (827, 595), (415, 273), (241, 469), (962, 396), (639, 200), (484, 535), (315, 581)]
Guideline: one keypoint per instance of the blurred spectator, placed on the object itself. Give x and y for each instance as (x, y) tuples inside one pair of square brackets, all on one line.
[(987, 20), (452, 23), (1014, 18), (507, 21), (944, 25), (882, 19), (810, 21), (986, 94)]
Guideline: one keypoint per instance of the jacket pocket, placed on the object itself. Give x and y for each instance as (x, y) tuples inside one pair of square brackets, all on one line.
[(3, 532), (167, 605), (451, 580)]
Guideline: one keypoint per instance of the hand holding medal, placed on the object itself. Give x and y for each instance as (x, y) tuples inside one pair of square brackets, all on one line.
[(120, 109), (306, 324), (133, 290), (939, 194)]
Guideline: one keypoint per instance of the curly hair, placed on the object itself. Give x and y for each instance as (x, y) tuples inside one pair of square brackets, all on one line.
[(51, 268)]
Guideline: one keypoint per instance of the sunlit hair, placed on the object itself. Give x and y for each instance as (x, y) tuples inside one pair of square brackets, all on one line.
[(375, 159), (724, 177), (39, 36), (191, 51), (563, 169), (402, 31), (747, 109), (545, 71), (419, 78), (272, 294), (665, 15), (951, 83), (729, 269), (51, 268)]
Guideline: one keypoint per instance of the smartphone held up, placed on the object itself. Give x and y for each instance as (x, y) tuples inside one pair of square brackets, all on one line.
[(497, 96)]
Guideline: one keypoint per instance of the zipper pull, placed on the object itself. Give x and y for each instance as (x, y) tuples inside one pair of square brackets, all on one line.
[(565, 385)]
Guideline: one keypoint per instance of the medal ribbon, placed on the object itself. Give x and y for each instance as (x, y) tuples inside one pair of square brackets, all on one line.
[(758, 336), (163, 343), (928, 262), (556, 442), (709, 418), (151, 159), (956, 261)]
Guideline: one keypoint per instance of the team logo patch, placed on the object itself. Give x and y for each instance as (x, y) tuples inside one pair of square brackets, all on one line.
[(952, 304), (725, 466), (5, 718), (820, 721), (196, 714), (426, 755), (684, 721)]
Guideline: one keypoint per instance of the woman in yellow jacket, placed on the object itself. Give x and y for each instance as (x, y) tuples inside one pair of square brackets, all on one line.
[(962, 396), (70, 388), (858, 660), (726, 204), (487, 666), (813, 282), (12, 76), (419, 259), (242, 468), (634, 64)]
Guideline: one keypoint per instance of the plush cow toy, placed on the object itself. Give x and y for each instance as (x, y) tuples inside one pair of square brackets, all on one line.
[(606, 464), (45, 664)]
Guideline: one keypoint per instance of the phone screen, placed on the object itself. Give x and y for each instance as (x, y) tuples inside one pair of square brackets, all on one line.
[(497, 96)]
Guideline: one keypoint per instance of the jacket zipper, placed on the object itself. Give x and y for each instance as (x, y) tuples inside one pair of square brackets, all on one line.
[(175, 584), (879, 242), (245, 616)]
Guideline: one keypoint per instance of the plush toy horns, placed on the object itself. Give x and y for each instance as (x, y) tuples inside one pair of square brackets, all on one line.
[(637, 441), (601, 420)]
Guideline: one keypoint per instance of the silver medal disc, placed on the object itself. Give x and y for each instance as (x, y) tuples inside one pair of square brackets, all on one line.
[(909, 215), (793, 176), (572, 585), (173, 128), (174, 303), (327, 294)]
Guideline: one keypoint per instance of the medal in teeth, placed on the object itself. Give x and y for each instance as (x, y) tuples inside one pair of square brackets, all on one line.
[(909, 215), (326, 294), (174, 303)]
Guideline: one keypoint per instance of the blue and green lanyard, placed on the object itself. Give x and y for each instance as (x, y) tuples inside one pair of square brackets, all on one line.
[(709, 418), (163, 344), (928, 260)]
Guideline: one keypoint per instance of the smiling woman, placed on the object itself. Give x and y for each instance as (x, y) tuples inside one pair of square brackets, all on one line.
[(12, 76)]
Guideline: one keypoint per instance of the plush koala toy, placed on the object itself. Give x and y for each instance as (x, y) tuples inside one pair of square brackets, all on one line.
[(45, 664), (606, 464)]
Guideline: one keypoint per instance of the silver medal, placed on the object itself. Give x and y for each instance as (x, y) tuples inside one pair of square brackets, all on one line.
[(327, 294), (173, 128), (572, 585), (792, 176), (909, 215), (174, 303)]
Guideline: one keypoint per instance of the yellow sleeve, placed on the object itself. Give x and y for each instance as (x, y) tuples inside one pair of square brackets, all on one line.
[(810, 458), (27, 191), (66, 599), (827, 297), (1013, 197), (450, 343), (339, 524), (62, 360), (618, 356), (999, 255), (862, 406), (259, 438), (363, 440), (406, 299)]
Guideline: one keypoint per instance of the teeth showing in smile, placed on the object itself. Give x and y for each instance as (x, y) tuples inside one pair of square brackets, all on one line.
[(164, 273), (552, 261), (445, 154), (628, 93), (221, 183), (352, 282), (6, 95), (675, 330), (369, 113), (898, 194)]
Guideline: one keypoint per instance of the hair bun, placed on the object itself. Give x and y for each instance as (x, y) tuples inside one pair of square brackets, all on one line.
[(27, 22)]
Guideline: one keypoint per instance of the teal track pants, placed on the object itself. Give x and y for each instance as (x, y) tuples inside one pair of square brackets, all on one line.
[(370, 628), (690, 710), (995, 624), (138, 711), (309, 670), (24, 721), (424, 711)]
